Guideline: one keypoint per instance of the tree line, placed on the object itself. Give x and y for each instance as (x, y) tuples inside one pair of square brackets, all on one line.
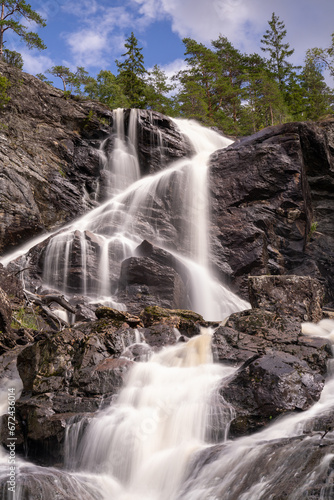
[(239, 93)]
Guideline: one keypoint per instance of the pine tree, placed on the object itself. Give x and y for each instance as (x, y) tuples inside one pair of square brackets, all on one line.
[(264, 101), (203, 72), (131, 73), (318, 97), (61, 72), (72, 80), (230, 82), (278, 50), (12, 12)]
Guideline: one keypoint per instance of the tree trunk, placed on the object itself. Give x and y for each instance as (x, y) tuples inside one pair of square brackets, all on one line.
[(1, 30)]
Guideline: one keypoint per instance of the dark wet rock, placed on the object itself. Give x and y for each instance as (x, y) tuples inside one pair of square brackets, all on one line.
[(268, 386), (49, 157), (35, 482), (73, 372), (118, 316), (5, 312), (188, 323), (159, 141), (144, 282), (11, 284), (259, 332), (266, 191), (138, 352), (297, 296)]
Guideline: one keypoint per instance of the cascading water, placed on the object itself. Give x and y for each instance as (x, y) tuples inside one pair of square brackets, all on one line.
[(162, 416), (163, 437), (169, 208), (158, 441)]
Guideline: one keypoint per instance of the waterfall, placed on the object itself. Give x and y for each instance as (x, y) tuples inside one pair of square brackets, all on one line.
[(169, 208), (158, 441), (163, 415), (165, 436)]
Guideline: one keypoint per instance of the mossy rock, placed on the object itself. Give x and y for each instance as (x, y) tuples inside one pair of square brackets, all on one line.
[(156, 314), (116, 317)]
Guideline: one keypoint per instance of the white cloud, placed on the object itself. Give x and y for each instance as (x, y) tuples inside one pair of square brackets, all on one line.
[(35, 63), (174, 67), (244, 22)]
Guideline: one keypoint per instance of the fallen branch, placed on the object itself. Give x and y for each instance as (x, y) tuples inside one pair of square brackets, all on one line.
[(45, 300), (48, 299)]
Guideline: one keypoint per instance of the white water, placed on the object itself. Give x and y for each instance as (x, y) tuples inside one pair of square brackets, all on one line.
[(144, 445), (107, 235), (145, 441)]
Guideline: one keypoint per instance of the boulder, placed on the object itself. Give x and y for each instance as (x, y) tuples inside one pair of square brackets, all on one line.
[(297, 296), (264, 220), (145, 282), (267, 386), (257, 332)]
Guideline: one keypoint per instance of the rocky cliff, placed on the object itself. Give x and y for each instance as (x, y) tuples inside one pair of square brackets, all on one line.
[(271, 216), (49, 155)]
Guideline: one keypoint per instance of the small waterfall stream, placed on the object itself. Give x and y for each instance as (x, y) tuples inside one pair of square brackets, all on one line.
[(157, 441)]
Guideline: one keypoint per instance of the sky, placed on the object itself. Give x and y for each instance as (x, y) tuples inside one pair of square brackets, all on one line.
[(91, 33)]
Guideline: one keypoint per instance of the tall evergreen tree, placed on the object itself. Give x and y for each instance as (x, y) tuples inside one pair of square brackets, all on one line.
[(191, 98), (12, 16), (131, 73), (230, 82), (318, 97), (264, 103), (203, 72), (279, 52)]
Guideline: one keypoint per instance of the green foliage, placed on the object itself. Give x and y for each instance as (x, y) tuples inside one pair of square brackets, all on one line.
[(131, 73), (278, 50), (4, 86), (13, 58), (318, 97), (23, 318), (106, 88), (15, 15), (220, 86), (157, 88), (313, 229), (72, 80)]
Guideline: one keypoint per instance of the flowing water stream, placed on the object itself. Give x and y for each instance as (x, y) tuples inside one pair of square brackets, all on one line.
[(138, 209), (159, 439)]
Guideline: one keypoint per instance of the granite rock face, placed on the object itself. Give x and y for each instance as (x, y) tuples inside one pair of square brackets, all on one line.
[(272, 205), (297, 296), (50, 163)]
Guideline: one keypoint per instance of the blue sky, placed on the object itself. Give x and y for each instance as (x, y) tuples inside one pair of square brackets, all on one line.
[(91, 33)]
